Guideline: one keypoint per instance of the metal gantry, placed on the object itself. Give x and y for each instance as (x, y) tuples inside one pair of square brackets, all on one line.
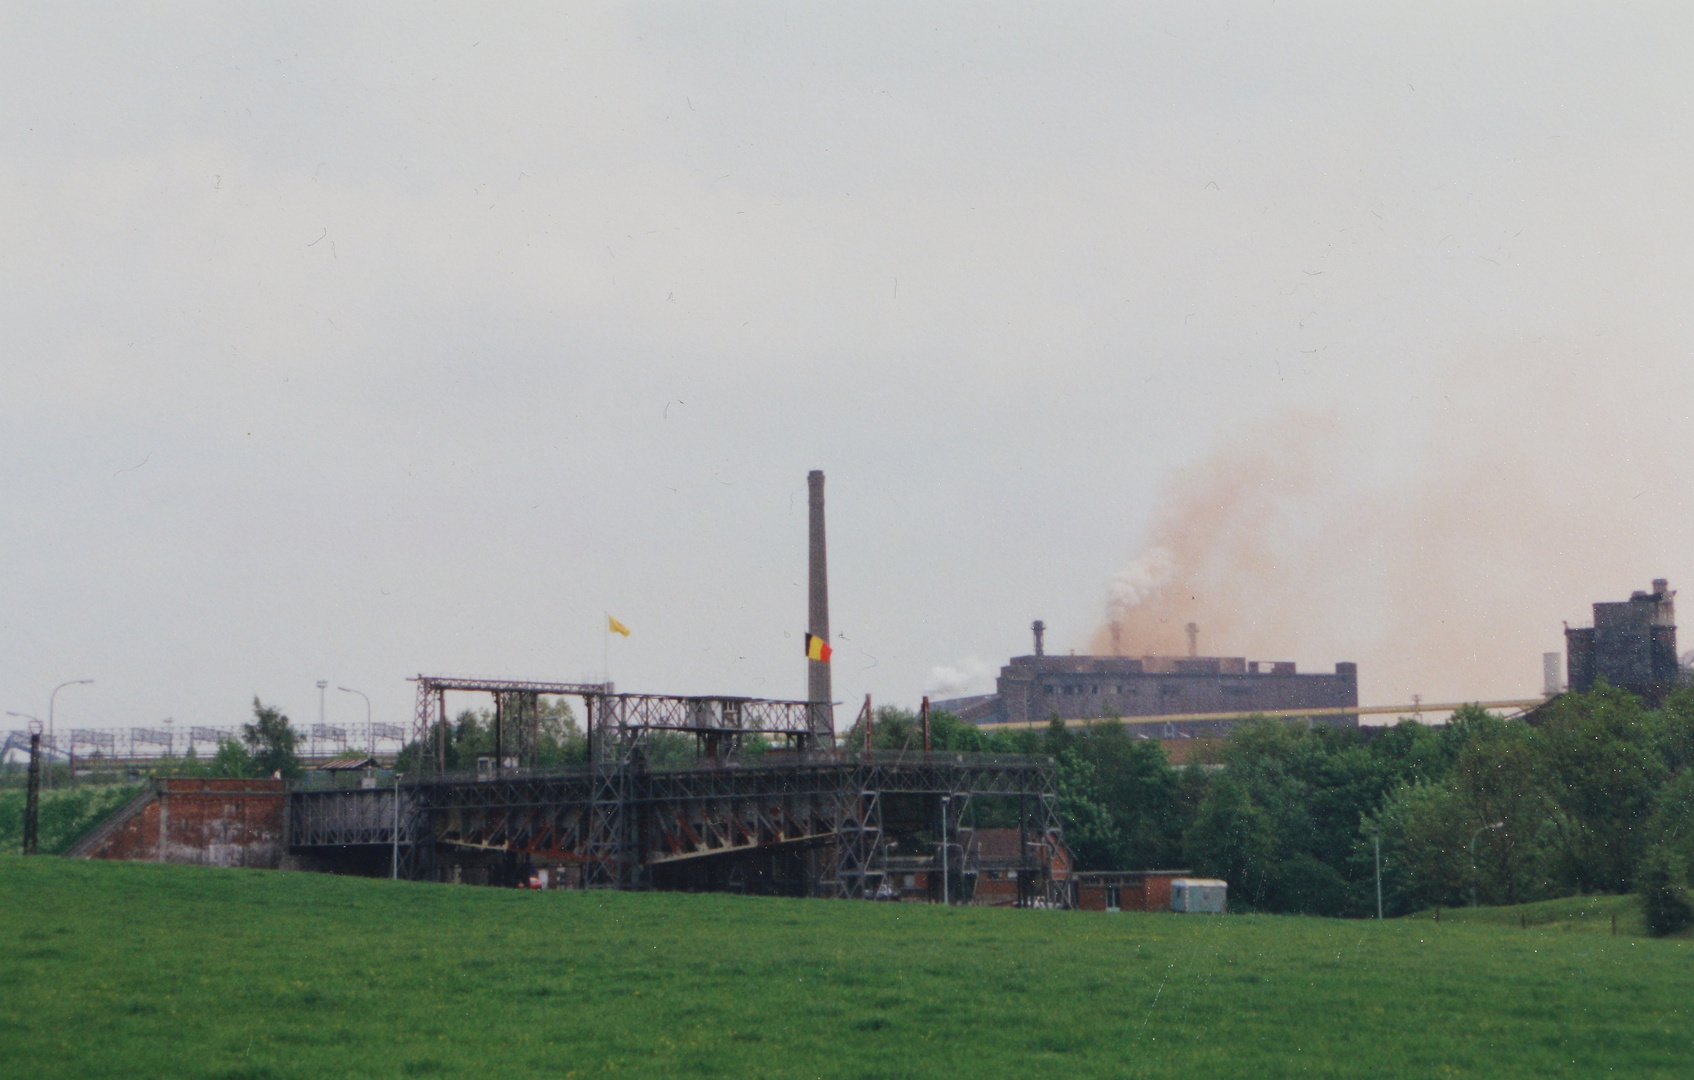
[(815, 820)]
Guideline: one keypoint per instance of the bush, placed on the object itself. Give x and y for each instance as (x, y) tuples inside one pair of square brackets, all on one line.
[(1664, 892), (67, 815)]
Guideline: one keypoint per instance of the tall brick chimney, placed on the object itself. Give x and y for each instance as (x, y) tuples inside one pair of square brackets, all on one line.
[(818, 690)]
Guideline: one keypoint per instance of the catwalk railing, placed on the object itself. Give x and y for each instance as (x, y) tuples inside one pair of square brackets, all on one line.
[(90, 746)]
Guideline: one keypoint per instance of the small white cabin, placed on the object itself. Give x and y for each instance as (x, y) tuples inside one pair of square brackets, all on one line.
[(1205, 896)]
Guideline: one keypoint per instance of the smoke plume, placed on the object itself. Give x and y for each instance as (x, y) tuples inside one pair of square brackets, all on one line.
[(1443, 565)]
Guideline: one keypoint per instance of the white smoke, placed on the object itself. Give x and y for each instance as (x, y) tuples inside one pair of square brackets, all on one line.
[(1141, 580), (955, 681)]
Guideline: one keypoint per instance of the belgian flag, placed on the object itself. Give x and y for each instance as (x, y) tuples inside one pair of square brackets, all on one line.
[(817, 649)]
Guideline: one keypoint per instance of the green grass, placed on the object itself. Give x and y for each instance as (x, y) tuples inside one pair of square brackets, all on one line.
[(135, 970), (67, 814), (1573, 914)]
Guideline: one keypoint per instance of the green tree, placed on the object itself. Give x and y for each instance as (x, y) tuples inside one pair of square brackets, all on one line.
[(1664, 891), (232, 759), (1425, 825), (1090, 833), (1499, 779), (1234, 839), (272, 742), (1674, 729), (1131, 779), (1602, 765)]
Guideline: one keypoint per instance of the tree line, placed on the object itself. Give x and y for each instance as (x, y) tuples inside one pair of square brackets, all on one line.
[(1590, 793)]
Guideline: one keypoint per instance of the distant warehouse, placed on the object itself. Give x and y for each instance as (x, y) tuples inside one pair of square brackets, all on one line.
[(1033, 689)]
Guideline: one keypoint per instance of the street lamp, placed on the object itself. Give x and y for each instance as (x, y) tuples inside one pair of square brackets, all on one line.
[(368, 731), (1473, 836), (50, 702), (946, 896), (1376, 835), (34, 721)]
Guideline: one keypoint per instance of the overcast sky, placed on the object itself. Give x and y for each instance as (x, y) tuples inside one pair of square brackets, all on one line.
[(351, 344)]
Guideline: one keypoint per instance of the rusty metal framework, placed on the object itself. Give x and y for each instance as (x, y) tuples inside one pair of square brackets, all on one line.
[(617, 724), (621, 823), (806, 817)]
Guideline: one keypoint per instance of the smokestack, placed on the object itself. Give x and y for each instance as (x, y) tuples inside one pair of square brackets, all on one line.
[(1551, 683), (1117, 639), (1193, 639), (818, 690), (1040, 628)]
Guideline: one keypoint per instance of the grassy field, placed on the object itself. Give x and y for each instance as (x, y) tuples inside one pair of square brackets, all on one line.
[(134, 970), (1573, 914)]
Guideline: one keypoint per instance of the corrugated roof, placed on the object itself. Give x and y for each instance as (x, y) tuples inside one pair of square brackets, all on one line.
[(349, 763)]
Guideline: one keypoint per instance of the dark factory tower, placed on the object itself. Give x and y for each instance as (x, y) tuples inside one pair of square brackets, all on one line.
[(818, 690)]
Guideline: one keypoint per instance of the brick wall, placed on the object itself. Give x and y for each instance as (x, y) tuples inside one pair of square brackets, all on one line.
[(211, 822)]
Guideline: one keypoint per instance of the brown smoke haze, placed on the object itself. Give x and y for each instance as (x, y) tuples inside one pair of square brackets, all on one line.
[(1445, 564)]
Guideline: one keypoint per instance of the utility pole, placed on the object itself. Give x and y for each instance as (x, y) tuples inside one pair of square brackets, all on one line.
[(394, 867), (32, 799)]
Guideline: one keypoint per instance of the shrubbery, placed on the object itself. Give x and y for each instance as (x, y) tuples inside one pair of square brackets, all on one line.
[(1664, 892), (67, 815)]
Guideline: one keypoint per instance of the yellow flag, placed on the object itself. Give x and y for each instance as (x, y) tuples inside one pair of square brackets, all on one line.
[(616, 627)]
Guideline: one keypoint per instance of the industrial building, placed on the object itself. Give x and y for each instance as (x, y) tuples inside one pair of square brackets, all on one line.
[(1033, 689), (805, 816), (1631, 645)]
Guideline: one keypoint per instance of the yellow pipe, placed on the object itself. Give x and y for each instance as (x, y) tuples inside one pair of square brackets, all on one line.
[(1341, 710)]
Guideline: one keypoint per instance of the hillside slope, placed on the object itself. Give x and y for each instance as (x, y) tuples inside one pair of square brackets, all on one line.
[(136, 970)]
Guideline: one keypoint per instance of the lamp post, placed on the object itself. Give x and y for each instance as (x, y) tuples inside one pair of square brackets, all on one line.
[(1473, 836), (946, 894), (50, 702), (368, 731), (394, 866), (322, 685), (1376, 835)]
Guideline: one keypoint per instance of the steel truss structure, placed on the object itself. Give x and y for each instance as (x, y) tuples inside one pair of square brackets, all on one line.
[(823, 820), (617, 724)]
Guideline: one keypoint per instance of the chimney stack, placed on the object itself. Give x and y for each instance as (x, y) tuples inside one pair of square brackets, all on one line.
[(1193, 639), (818, 690), (1040, 628)]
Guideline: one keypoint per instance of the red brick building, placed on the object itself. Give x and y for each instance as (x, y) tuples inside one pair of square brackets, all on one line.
[(1124, 890)]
